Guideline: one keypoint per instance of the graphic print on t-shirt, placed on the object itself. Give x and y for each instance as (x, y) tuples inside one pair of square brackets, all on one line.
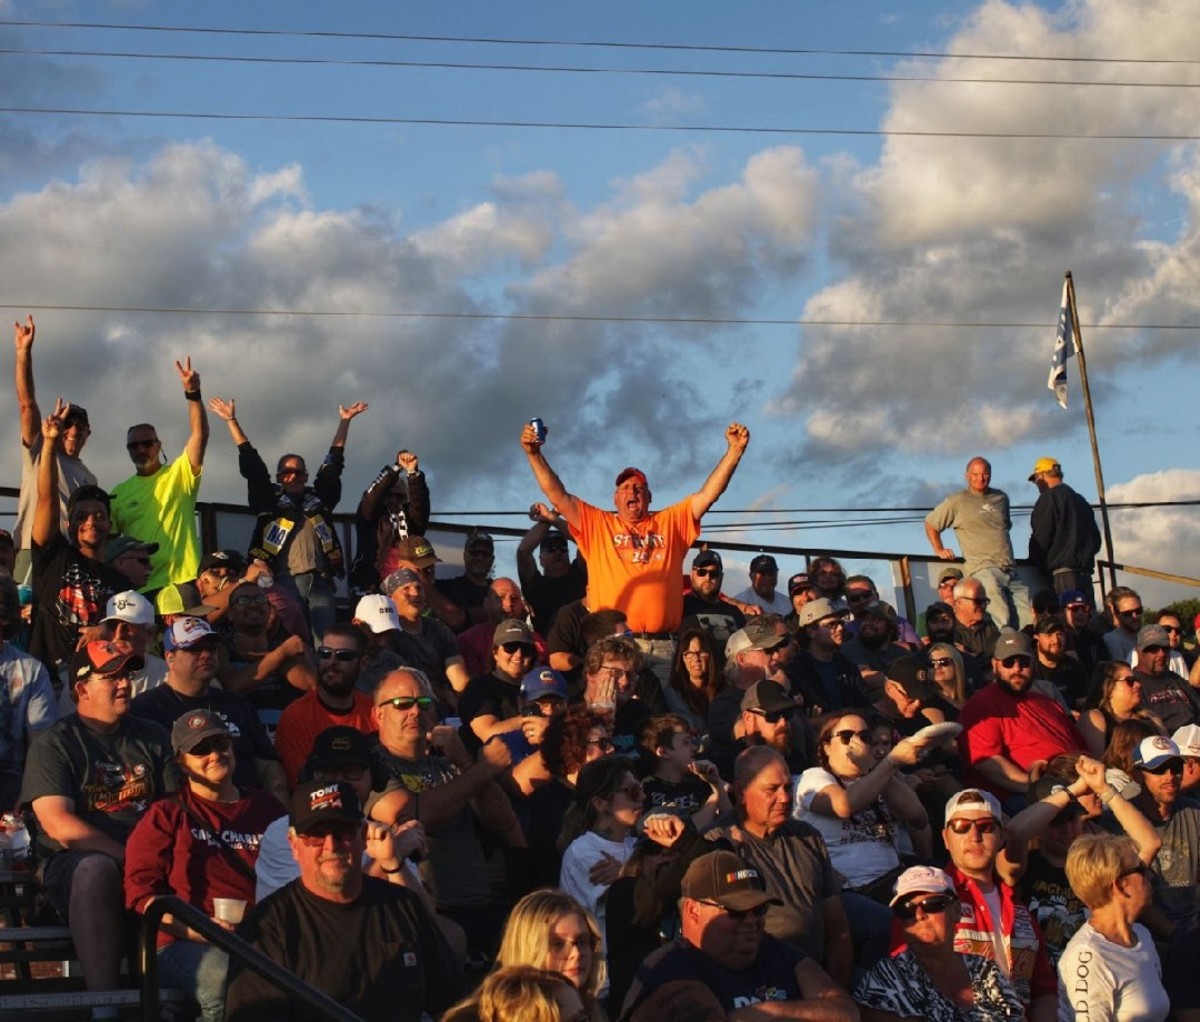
[(113, 787)]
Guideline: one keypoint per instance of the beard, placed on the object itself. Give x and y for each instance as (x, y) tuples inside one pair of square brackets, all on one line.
[(337, 684)]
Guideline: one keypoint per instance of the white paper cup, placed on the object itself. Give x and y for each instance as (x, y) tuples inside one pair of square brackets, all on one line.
[(229, 910)]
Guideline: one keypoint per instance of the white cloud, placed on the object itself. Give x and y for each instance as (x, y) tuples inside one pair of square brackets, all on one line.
[(672, 105), (1164, 538)]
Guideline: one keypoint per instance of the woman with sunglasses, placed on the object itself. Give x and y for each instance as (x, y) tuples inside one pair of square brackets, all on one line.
[(854, 801), (490, 704), (1117, 695), (695, 678), (949, 678), (930, 980), (198, 844), (1110, 969)]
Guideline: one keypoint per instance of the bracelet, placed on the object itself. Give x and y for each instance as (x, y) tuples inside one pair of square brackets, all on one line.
[(1108, 796), (391, 872), (192, 395)]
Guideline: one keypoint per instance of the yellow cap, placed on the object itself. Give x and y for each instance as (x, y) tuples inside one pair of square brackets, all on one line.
[(1044, 465)]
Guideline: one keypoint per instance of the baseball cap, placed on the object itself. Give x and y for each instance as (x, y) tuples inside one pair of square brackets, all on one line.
[(378, 613), (799, 582), (1187, 738), (316, 802), (754, 635), (131, 607), (921, 880), (816, 610), (100, 657), (339, 745), (768, 696), (1152, 635), (1044, 465), (187, 631), (728, 880), (1049, 623), (913, 676), (512, 630), (119, 545), (475, 539), (418, 550), (949, 572), (708, 558), (1073, 596), (764, 564), (543, 681), (939, 608), (192, 728), (974, 798), (1154, 751), (399, 577), (221, 559), (554, 538), (1012, 643), (630, 473)]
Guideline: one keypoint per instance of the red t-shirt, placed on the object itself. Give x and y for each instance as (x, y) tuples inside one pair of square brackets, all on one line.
[(305, 718)]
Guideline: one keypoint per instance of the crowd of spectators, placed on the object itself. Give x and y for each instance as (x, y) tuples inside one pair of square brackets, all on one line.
[(605, 789)]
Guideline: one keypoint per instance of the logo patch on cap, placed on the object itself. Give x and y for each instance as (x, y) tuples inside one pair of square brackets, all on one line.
[(340, 744), (741, 874), (1160, 743), (329, 797), (197, 721)]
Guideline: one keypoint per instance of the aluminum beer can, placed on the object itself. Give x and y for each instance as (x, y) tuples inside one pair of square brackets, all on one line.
[(539, 427)]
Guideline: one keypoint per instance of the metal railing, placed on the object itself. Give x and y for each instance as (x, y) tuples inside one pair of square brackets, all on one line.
[(233, 946)]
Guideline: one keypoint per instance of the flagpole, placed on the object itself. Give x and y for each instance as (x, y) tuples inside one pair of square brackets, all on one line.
[(1091, 423)]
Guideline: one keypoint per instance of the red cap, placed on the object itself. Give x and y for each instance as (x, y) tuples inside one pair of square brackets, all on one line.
[(629, 473)]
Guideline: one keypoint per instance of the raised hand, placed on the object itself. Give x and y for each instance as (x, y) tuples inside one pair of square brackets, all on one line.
[(23, 335), (223, 409), (408, 461), (53, 425), (355, 409), (188, 376), (540, 512), (530, 443), (737, 436)]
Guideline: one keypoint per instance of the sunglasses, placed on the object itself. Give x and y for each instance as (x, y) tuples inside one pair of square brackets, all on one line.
[(858, 595), (405, 703), (286, 472), (516, 647), (211, 745), (1141, 869), (1017, 661), (135, 445), (981, 601), (604, 744), (738, 914), (775, 716), (707, 572), (346, 772), (964, 826), (847, 735), (343, 655), (1132, 612), (1173, 766), (316, 839), (934, 905), (249, 600), (942, 662)]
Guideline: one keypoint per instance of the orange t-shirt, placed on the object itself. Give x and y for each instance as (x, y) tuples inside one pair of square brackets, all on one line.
[(305, 718), (638, 568)]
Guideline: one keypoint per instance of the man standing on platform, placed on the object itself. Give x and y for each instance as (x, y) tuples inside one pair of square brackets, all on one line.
[(635, 556)]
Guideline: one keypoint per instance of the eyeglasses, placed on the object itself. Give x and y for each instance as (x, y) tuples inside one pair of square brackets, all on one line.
[(211, 745), (845, 736), (134, 445), (343, 655), (1155, 649), (775, 716), (934, 905), (1016, 661), (249, 600), (831, 623), (604, 744), (1131, 612), (289, 471), (619, 674), (1078, 607), (1130, 680), (695, 654), (737, 914), (858, 595), (1141, 869), (1170, 628), (316, 839), (942, 662), (517, 647), (406, 703), (707, 572), (964, 826), (632, 791), (1172, 766), (783, 643), (345, 772), (979, 601)]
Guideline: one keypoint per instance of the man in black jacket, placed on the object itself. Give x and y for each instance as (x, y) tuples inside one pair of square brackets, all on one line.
[(1064, 538), (394, 506)]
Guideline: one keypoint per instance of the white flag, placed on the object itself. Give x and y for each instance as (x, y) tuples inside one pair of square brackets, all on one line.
[(1064, 348)]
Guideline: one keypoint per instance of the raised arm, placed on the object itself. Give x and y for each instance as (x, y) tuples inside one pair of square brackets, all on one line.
[(31, 416), (227, 410), (566, 504), (45, 508), (197, 439), (737, 437), (344, 417), (542, 517)]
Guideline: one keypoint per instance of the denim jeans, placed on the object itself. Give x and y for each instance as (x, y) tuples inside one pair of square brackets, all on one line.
[(317, 595), (1009, 597), (200, 969)]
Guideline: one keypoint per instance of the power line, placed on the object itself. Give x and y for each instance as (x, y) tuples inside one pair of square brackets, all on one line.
[(1026, 508), (592, 43), (569, 69), (577, 318), (735, 129)]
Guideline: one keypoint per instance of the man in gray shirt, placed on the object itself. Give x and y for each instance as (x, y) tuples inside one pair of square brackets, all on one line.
[(980, 519)]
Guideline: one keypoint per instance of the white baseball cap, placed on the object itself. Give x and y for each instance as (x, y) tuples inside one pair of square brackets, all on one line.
[(921, 880), (378, 613), (974, 798), (1188, 740), (131, 607)]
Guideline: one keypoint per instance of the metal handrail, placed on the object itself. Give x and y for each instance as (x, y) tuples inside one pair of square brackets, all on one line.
[(233, 946)]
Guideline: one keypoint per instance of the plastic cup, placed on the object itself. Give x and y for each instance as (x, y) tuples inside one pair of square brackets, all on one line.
[(229, 910)]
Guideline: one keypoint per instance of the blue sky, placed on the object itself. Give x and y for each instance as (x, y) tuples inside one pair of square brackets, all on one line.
[(122, 211)]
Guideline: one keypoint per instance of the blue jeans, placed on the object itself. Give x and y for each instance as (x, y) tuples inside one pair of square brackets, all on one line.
[(1009, 597), (315, 593), (200, 969)]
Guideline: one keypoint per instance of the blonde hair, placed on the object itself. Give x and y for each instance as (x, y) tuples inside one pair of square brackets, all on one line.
[(959, 694), (512, 992), (526, 939), (1093, 863)]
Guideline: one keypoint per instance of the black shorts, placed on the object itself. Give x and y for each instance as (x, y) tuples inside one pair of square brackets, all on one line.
[(58, 873)]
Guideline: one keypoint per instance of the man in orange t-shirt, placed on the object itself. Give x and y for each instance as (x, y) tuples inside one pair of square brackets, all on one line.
[(335, 700), (635, 556)]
